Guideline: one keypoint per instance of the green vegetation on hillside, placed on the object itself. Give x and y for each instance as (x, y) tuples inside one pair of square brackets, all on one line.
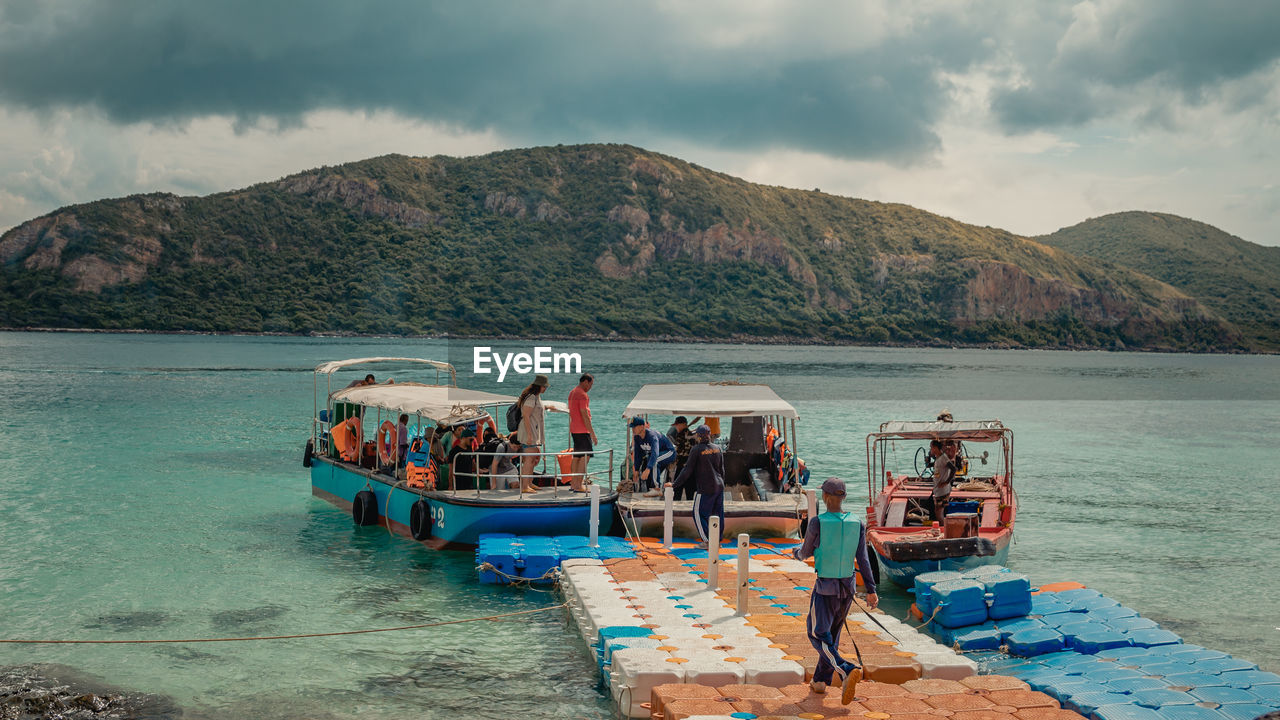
[(1237, 279), (598, 239)]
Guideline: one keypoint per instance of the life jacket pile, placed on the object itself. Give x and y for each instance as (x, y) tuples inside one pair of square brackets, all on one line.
[(421, 470), (789, 469)]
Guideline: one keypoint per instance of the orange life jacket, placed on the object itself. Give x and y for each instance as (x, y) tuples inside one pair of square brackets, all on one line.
[(422, 476)]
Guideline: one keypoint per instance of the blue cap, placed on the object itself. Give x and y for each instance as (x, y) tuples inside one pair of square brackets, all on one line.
[(637, 422), (703, 430), (833, 486)]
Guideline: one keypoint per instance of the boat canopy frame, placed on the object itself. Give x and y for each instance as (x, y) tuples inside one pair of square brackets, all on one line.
[(979, 431), (329, 368), (447, 405), (724, 398)]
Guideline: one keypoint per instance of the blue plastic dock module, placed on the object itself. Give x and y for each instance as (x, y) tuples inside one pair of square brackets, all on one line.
[(959, 603), (533, 557), (924, 588)]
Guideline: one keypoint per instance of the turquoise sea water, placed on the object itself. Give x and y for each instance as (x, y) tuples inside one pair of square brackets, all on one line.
[(152, 487)]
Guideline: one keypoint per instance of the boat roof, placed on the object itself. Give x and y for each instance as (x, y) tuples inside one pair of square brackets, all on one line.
[(714, 398), (441, 403), (976, 430), (333, 366)]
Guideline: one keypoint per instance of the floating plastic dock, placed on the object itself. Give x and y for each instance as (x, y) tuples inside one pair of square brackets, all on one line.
[(1094, 655), (669, 645)]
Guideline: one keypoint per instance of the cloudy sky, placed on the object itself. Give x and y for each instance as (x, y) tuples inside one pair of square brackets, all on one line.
[(1019, 114)]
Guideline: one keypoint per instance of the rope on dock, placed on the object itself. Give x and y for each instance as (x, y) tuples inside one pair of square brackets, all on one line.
[(552, 575), (285, 637)]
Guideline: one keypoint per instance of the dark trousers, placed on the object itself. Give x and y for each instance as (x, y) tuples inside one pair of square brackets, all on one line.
[(704, 507), (826, 620)]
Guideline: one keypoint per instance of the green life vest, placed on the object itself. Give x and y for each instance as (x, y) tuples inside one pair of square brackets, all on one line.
[(837, 544)]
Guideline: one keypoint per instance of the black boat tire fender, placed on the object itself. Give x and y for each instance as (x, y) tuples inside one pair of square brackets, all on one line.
[(364, 508), (420, 520), (306, 454)]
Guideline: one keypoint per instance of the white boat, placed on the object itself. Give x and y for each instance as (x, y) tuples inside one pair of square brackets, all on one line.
[(763, 475)]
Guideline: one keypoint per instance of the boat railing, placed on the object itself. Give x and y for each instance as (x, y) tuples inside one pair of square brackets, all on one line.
[(602, 478)]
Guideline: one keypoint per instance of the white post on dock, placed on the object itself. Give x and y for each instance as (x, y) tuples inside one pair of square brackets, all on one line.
[(744, 559), (713, 554), (595, 515), (812, 496), (668, 513)]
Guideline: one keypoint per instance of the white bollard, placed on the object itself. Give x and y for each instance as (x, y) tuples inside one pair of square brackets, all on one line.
[(744, 559), (713, 553), (595, 515), (668, 513), (812, 495)]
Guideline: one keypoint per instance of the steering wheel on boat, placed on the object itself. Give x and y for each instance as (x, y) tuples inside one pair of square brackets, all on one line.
[(924, 468)]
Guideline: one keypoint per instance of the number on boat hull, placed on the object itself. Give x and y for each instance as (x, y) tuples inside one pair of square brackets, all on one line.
[(437, 516)]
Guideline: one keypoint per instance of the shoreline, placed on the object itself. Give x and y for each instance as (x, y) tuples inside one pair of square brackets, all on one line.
[(667, 339)]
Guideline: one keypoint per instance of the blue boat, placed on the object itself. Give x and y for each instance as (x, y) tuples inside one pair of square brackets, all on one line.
[(420, 496)]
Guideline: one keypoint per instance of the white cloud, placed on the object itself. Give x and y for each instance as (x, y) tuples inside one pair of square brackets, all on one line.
[(67, 157)]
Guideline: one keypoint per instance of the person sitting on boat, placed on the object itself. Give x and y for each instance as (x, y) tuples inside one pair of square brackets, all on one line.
[(435, 442), (652, 453), (502, 468), (705, 474), (835, 539), (944, 473), (683, 439), (532, 434), (462, 460)]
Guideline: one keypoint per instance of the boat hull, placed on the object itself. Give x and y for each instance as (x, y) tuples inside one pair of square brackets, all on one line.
[(903, 572), (457, 520)]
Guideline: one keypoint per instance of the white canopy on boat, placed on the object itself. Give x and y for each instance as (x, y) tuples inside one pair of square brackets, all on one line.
[(333, 366), (976, 430), (437, 402), (718, 398)]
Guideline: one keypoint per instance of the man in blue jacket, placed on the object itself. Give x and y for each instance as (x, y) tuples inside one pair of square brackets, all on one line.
[(651, 453), (835, 539), (705, 469)]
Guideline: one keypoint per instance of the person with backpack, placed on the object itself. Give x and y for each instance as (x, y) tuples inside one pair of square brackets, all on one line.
[(652, 452), (500, 461), (532, 433)]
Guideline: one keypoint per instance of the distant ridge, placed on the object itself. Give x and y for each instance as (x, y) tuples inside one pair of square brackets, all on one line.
[(597, 240), (1237, 279)]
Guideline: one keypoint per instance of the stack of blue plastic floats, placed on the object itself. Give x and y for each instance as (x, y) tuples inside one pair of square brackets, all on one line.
[(1091, 653), (504, 558)]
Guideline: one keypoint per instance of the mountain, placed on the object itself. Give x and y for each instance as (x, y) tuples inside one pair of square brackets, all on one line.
[(606, 240), (1236, 279)]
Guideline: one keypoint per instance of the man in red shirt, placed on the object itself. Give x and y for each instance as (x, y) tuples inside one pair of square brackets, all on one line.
[(580, 429)]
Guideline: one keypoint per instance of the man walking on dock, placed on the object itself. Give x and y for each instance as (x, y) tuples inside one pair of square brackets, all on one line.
[(834, 540)]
